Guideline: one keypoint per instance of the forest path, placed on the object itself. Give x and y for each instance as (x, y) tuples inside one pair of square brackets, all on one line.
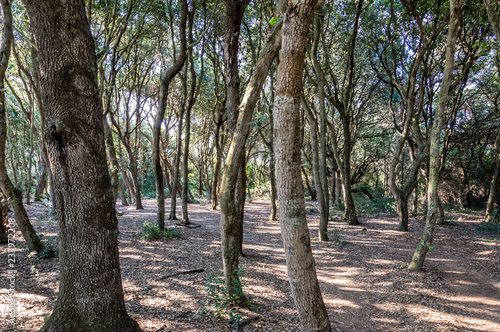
[(362, 274)]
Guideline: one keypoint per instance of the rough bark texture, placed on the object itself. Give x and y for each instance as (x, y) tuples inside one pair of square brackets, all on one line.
[(90, 290), (13, 194), (435, 135), (291, 205), (165, 79)]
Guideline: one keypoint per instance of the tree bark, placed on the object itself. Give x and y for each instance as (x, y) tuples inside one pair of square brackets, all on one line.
[(90, 290), (291, 205), (435, 135)]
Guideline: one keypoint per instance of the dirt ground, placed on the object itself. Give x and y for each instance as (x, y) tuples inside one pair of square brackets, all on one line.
[(362, 272)]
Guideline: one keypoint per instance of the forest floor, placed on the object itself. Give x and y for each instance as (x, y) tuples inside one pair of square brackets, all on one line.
[(362, 273)]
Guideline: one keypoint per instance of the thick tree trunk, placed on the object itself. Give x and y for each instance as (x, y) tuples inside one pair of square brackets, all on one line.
[(291, 205), (165, 79), (90, 290), (14, 195), (434, 154)]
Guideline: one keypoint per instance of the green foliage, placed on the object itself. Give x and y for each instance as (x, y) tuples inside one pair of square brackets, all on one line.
[(154, 233), (218, 303), (379, 203)]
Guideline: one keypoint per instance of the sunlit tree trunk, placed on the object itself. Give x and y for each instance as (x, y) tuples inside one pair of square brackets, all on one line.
[(291, 205), (435, 135)]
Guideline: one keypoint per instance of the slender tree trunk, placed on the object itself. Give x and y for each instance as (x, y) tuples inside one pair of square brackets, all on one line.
[(313, 129), (321, 180), (110, 145), (494, 18), (291, 205), (165, 79), (434, 154), (135, 188), (310, 189), (272, 170), (177, 163), (495, 181), (13, 194), (90, 290), (232, 194), (123, 197), (42, 179), (4, 237)]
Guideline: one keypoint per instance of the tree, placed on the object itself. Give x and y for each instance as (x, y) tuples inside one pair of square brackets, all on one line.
[(90, 290), (231, 221), (435, 137), (493, 17), (165, 80), (13, 194), (291, 204)]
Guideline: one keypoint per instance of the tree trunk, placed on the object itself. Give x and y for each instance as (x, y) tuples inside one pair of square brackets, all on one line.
[(402, 208), (232, 193), (165, 79), (291, 205), (13, 194), (435, 135), (320, 146), (110, 145), (4, 237), (311, 190), (313, 129), (90, 290), (123, 197), (42, 179)]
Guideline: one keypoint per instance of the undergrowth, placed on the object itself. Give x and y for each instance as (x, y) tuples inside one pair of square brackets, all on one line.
[(152, 232), (219, 304)]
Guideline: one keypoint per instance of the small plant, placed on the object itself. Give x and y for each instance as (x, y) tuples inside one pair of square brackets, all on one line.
[(218, 303), (154, 233), (334, 236)]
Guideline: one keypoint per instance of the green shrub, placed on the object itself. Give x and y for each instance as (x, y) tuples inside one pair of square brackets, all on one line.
[(152, 232)]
